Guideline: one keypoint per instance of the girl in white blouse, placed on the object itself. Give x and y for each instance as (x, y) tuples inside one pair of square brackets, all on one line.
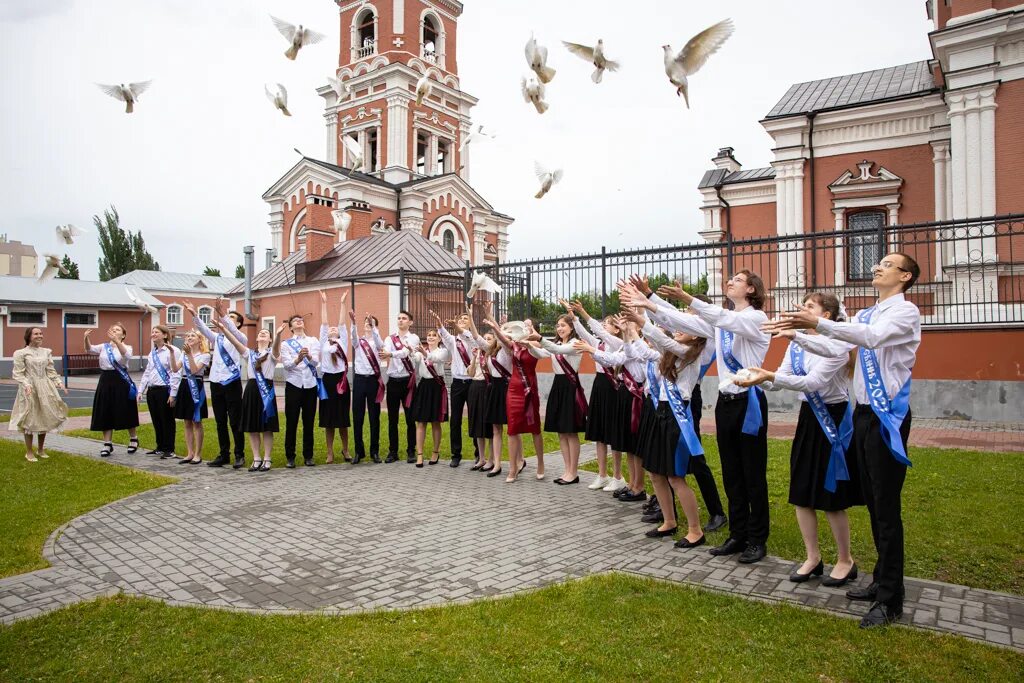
[(190, 404), (160, 386), (114, 403), (334, 410), (497, 362), (430, 402)]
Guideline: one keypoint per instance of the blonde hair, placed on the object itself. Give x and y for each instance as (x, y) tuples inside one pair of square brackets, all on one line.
[(204, 344)]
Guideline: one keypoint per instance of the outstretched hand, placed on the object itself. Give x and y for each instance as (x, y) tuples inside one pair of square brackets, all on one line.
[(641, 283), (799, 319), (675, 292), (756, 376)]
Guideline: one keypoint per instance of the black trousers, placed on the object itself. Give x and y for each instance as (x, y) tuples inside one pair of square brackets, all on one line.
[(744, 467), (459, 398), (227, 409), (298, 400), (881, 479), (398, 387), (364, 399), (699, 464), (162, 414)]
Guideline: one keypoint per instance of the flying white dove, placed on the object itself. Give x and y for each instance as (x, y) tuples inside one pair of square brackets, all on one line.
[(694, 54), (423, 88), (68, 233), (547, 178), (298, 36), (533, 91), (594, 55), (51, 268), (537, 58), (342, 219), (355, 152), (341, 89), (129, 94), (142, 305), (475, 135), (278, 97), (482, 283)]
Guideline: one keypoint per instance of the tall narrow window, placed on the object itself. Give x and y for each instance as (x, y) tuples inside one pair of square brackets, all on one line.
[(372, 143), (422, 145), (864, 244), (348, 155), (443, 156), (367, 35), (449, 240), (205, 314), (429, 39)]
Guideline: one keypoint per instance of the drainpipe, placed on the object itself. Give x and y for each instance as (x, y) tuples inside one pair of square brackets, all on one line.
[(398, 208), (810, 173), (728, 229), (248, 250)]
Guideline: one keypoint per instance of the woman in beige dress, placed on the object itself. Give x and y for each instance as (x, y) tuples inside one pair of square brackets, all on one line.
[(38, 407)]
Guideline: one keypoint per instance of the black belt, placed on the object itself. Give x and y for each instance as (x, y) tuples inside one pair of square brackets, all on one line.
[(722, 396), (456, 379), (367, 376)]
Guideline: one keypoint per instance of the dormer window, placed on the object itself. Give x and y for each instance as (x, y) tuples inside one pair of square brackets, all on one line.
[(366, 34)]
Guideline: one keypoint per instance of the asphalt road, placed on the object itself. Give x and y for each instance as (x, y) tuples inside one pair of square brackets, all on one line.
[(76, 398)]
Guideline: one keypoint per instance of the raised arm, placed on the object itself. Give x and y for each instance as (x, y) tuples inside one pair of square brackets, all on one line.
[(87, 344), (343, 312), (275, 347), (744, 324), (896, 328), (560, 349), (820, 345), (668, 317), (228, 324), (662, 342), (199, 324)]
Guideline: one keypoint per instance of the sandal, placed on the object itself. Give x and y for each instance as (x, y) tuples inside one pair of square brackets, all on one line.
[(133, 445), (329, 460), (108, 450), (265, 467), (255, 467), (42, 454), (31, 457)]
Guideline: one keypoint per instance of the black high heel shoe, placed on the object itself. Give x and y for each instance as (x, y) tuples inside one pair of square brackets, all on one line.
[(494, 473), (420, 463), (477, 467), (436, 459), (661, 533), (797, 577), (836, 582)]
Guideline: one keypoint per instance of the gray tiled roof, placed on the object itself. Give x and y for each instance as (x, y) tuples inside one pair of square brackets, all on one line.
[(179, 282), (894, 82), (59, 292), (721, 176), (367, 256)]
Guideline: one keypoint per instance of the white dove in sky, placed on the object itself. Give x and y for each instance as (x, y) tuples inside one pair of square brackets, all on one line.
[(537, 58), (472, 136), (341, 89), (482, 283), (342, 219), (533, 91), (423, 89), (129, 94), (355, 153), (298, 36), (694, 54), (547, 178), (68, 233), (51, 268), (278, 97), (594, 55), (142, 305)]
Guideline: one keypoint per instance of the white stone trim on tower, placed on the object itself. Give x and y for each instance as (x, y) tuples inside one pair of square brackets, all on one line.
[(972, 146)]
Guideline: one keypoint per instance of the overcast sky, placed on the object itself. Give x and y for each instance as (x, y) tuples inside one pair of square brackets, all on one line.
[(189, 167)]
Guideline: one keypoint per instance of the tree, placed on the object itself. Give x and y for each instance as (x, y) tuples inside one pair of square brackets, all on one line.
[(239, 270), (208, 270), (123, 251), (70, 266)]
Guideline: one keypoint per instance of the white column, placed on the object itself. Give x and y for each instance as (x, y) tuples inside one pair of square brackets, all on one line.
[(972, 150), (479, 243), (987, 142), (364, 144), (949, 184), (939, 151), (958, 155), (277, 235), (840, 251), (398, 131), (432, 168), (780, 198), (463, 159), (331, 120)]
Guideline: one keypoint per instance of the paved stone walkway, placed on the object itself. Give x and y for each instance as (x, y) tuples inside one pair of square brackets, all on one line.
[(344, 539)]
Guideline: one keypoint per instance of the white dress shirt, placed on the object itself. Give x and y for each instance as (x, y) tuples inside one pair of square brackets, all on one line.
[(267, 366), (219, 372), (151, 376), (550, 348), (633, 362), (297, 373), (827, 376), (894, 332), (820, 345), (396, 368), (438, 357), (200, 361), (503, 357), (102, 353), (686, 377), (327, 362), (597, 336), (459, 368), (360, 362)]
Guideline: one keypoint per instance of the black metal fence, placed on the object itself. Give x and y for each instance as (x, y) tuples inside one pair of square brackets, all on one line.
[(972, 273)]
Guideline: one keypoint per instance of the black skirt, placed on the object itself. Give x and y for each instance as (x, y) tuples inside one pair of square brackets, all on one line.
[(601, 425), (426, 402), (808, 464), (252, 410), (624, 438), (645, 435), (497, 412), (334, 410), (112, 407), (660, 451), (479, 427), (560, 416), (184, 408)]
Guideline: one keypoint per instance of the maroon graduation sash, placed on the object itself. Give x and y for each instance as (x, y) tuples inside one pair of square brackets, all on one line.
[(444, 390), (342, 385), (485, 365), (463, 354), (407, 364), (638, 399), (372, 357), (580, 404), (609, 372), (502, 370), (517, 363)]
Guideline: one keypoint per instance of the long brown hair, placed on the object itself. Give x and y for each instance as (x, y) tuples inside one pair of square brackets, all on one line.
[(670, 364), (760, 293), (572, 330), (830, 304)]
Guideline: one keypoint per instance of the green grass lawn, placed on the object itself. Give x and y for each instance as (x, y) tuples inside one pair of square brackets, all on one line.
[(961, 516), (73, 412), (613, 627), (37, 497)]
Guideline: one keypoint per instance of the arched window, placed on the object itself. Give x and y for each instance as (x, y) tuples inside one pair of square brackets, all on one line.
[(449, 240), (173, 313), (429, 39), (865, 242), (366, 32), (205, 314)]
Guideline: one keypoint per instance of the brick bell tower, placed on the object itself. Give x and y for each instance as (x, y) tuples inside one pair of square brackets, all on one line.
[(386, 47)]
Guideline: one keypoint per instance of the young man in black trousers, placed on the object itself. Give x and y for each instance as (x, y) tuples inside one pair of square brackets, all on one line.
[(401, 385), (461, 347), (300, 356)]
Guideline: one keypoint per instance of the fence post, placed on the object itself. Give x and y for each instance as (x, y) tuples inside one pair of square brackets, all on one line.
[(604, 281), (401, 288), (64, 321), (467, 279)]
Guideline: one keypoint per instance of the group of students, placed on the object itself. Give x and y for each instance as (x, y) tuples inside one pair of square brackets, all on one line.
[(644, 403)]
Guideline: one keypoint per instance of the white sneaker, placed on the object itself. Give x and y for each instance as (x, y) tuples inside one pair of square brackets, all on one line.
[(615, 485), (600, 483)]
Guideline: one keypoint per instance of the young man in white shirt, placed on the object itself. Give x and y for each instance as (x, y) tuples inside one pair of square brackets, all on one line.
[(300, 356), (397, 351), (887, 335), (461, 347)]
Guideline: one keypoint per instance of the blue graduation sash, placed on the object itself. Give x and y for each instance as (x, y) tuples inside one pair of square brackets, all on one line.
[(266, 390), (839, 437), (652, 383), (229, 362), (707, 366), (196, 388), (689, 443), (752, 420), (132, 390), (890, 413), (161, 370), (321, 392)]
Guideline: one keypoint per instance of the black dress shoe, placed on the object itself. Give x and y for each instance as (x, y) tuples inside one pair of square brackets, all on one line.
[(841, 581), (375, 459), (357, 459), (867, 594), (633, 497), (456, 459), (730, 547), (390, 459), (686, 543), (153, 452), (239, 462), (661, 533), (716, 522), (164, 456), (219, 461), (881, 614), (621, 492), (753, 553), (653, 517), (290, 464), (477, 467), (494, 472), (410, 458), (566, 482), (308, 462), (651, 504), (419, 464), (797, 577)]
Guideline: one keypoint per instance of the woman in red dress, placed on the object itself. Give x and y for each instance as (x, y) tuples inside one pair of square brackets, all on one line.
[(522, 403)]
